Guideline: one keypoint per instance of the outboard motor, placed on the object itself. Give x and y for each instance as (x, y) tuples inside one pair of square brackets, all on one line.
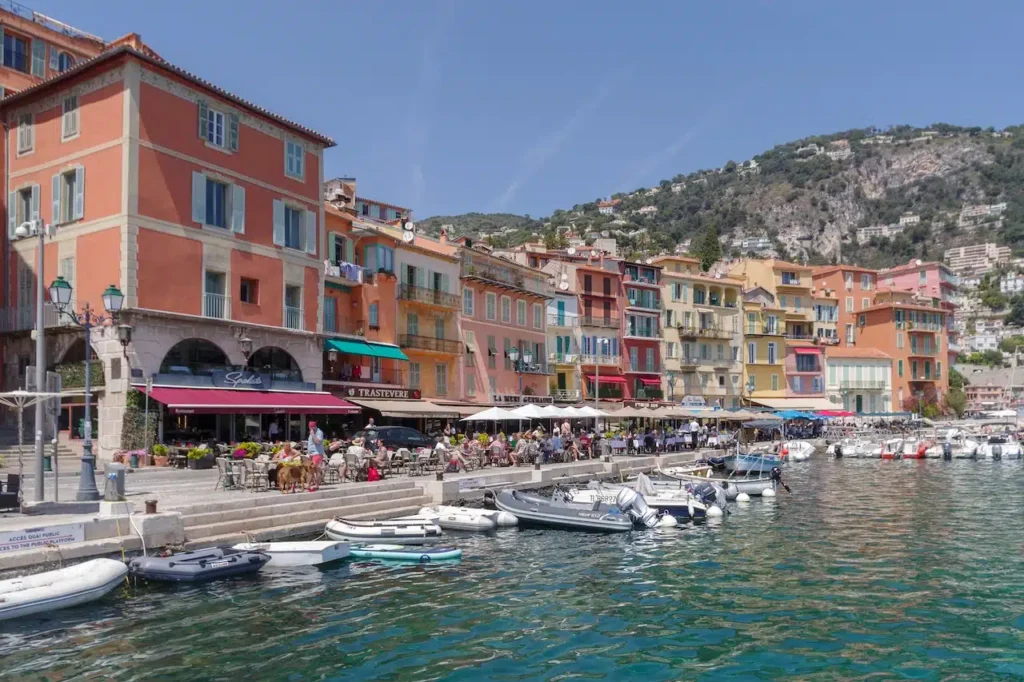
[(489, 500), (776, 475), (633, 503), (838, 451), (997, 452), (947, 450)]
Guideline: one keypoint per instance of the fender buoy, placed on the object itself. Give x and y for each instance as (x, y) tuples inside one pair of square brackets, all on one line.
[(785, 451), (922, 449)]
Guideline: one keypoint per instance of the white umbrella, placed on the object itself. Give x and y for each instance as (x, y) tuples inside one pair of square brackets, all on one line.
[(590, 412), (494, 414), (553, 411), (570, 411), (529, 411)]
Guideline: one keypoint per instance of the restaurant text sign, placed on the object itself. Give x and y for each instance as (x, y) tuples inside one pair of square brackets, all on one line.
[(239, 379), (370, 392)]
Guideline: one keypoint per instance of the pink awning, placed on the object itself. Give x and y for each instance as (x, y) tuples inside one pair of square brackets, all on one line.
[(650, 382), (227, 401), (610, 379), (806, 351)]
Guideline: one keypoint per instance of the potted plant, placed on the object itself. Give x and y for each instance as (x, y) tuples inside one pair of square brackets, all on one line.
[(200, 457), (160, 455)]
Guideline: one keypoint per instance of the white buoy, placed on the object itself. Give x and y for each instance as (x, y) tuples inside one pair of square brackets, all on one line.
[(667, 521), (768, 493), (714, 511), (689, 507), (743, 497)]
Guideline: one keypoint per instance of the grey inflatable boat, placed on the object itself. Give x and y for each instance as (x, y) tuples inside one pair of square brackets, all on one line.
[(559, 511), (198, 566)]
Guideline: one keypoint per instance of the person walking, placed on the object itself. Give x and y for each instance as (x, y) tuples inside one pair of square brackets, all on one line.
[(315, 451)]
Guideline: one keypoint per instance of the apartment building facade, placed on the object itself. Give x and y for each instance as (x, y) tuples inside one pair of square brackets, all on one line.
[(853, 289), (764, 377), (859, 379), (563, 333), (703, 338), (601, 305), (641, 331), (204, 209)]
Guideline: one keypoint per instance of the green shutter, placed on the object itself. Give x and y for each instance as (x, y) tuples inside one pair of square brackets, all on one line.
[(233, 132), (204, 115)]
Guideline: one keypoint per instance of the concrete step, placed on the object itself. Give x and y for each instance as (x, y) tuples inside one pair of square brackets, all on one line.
[(250, 501), (294, 530), (321, 516), (287, 504)]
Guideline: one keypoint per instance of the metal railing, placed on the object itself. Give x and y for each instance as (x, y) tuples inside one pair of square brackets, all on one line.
[(567, 394), (652, 303), (762, 330), (604, 322), (918, 351), (409, 292), (429, 343), (216, 306), (23, 318), (563, 358), (292, 317), (920, 376), (649, 393), (924, 326), (386, 375), (708, 332), (644, 368), (609, 391), (639, 334), (556, 320), (861, 385), (603, 360)]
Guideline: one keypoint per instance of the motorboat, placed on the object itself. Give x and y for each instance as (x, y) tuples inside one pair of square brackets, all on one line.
[(904, 448), (422, 555), (199, 566), (559, 511), (310, 553), (409, 531), (958, 444), (852, 447), (999, 446), (753, 462), (59, 589), (797, 450), (686, 500), (693, 471), (467, 518), (753, 485)]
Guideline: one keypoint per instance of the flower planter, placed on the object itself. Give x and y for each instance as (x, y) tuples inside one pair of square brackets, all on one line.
[(205, 463), (160, 460)]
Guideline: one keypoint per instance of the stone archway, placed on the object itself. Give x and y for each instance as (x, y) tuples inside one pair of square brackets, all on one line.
[(194, 356), (277, 362)]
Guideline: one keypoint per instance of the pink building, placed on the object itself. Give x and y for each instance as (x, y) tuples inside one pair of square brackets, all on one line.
[(931, 280), (503, 308), (805, 369)]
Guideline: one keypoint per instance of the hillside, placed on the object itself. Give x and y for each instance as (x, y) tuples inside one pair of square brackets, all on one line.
[(809, 197)]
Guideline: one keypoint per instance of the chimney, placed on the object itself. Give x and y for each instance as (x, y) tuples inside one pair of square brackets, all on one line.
[(444, 235)]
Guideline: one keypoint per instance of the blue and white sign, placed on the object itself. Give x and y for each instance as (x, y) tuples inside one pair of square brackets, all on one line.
[(27, 538)]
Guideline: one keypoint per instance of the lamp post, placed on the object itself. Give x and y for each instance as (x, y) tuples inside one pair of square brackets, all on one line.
[(38, 228), (672, 387), (520, 365), (113, 300)]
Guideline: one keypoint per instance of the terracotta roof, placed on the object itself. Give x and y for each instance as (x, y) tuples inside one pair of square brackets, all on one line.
[(913, 266), (683, 259), (128, 50), (829, 269), (852, 352), (803, 343)]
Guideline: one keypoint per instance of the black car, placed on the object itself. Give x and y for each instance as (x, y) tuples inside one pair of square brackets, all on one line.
[(395, 437)]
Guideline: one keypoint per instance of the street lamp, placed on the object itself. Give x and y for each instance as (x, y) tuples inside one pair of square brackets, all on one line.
[(38, 228), (124, 335), (245, 345), (672, 387), (520, 366), (113, 301)]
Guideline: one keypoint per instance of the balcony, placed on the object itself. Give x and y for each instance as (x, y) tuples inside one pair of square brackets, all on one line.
[(652, 304), (707, 332), (216, 306), (600, 360), (687, 364), (563, 358), (348, 274), (792, 282), (23, 318), (600, 322), (922, 377), (292, 317), (762, 330), (860, 385), (429, 343), (556, 320), (386, 376), (929, 327), (724, 363), (799, 336), (644, 368), (566, 395), (641, 280), (652, 335), (433, 297), (919, 352)]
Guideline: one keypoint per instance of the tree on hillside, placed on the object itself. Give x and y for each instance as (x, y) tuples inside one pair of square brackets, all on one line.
[(1011, 344), (1015, 318), (708, 249), (956, 379)]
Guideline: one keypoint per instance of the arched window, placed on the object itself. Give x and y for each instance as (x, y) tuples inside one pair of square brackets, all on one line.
[(194, 356), (277, 362), (64, 62)]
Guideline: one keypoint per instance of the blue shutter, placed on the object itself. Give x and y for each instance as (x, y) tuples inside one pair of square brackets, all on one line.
[(38, 58), (309, 226), (54, 57), (35, 203), (12, 213)]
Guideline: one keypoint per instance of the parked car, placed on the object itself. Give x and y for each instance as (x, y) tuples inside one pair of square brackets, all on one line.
[(395, 437)]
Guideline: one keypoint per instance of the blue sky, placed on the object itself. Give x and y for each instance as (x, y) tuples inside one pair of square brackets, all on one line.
[(449, 107)]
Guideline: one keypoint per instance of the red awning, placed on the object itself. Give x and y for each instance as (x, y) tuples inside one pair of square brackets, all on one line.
[(806, 351), (228, 401), (650, 382), (610, 379)]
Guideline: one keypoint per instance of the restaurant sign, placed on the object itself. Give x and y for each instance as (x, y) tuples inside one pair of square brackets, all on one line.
[(694, 401), (253, 380), (371, 392)]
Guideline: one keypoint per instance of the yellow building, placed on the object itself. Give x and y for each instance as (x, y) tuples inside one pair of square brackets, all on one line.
[(702, 333), (789, 284), (764, 348)]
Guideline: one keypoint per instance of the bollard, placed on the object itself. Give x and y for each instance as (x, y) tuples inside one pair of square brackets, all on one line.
[(536, 466), (151, 506), (440, 475)]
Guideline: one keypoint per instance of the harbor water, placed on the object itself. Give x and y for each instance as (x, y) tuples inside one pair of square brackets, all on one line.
[(869, 570)]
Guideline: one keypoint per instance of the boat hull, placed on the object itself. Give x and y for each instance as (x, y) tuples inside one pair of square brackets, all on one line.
[(537, 511), (313, 553), (60, 589), (422, 555), (198, 566), (416, 531), (461, 518), (753, 463)]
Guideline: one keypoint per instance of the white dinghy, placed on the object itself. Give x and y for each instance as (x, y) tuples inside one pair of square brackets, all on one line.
[(311, 553), (468, 518), (414, 531), (52, 590)]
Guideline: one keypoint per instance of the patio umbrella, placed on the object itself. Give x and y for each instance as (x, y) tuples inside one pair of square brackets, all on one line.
[(494, 414), (529, 411), (589, 412), (552, 411), (835, 413)]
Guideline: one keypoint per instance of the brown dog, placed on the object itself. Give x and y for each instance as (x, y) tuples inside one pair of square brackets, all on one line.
[(292, 476)]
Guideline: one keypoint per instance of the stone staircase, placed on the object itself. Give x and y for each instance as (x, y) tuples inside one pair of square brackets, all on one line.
[(275, 516)]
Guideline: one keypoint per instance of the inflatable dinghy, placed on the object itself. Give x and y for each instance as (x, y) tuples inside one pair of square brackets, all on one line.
[(200, 565), (423, 555), (415, 531), (52, 590)]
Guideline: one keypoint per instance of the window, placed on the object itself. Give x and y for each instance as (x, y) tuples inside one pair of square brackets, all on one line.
[(849, 304), (293, 306), (861, 320), (67, 269), (414, 375), (849, 281), (607, 286), (491, 304), (775, 382), (216, 204), (751, 353), (25, 205), (798, 304), (506, 309), (439, 328), (292, 228), (249, 291), (922, 277), (790, 278), (412, 324), (492, 352), (217, 128), (507, 346), (64, 61), (806, 363), (865, 303), (752, 382), (215, 302), (899, 339), (26, 134), (587, 283), (772, 355), (294, 155), (470, 385), (538, 316), (521, 313), (16, 53), (374, 316), (798, 384), (69, 118), (899, 368), (865, 282), (468, 301), (849, 333), (782, 302), (938, 369), (670, 349)]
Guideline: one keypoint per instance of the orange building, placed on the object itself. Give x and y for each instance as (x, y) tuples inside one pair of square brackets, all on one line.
[(853, 289), (203, 208)]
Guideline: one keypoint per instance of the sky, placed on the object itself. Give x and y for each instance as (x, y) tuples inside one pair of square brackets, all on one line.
[(451, 106)]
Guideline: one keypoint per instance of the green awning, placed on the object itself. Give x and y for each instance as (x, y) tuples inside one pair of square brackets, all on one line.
[(376, 350)]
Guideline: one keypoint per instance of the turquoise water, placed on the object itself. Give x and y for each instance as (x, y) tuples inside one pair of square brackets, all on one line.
[(869, 571)]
